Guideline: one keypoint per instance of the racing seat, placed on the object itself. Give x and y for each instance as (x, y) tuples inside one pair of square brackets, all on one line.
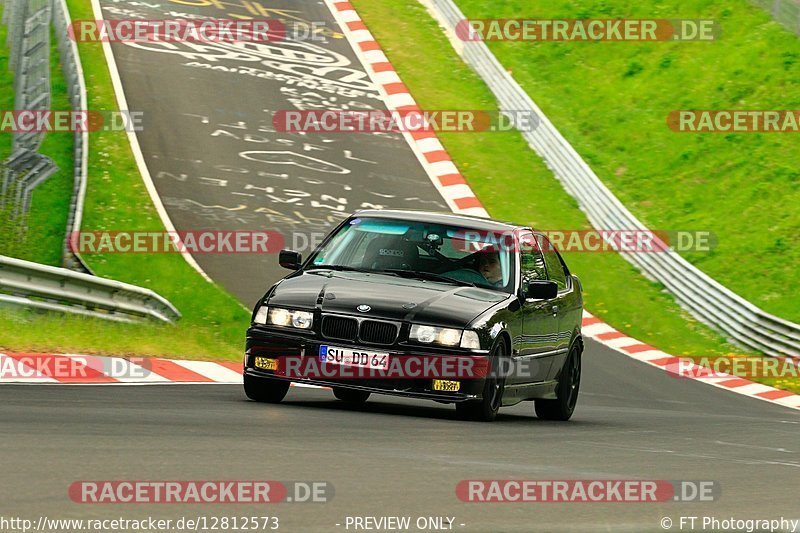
[(390, 252)]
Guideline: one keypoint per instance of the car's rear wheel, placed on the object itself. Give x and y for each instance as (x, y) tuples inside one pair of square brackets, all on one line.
[(486, 409), (265, 390), (566, 393), (350, 395)]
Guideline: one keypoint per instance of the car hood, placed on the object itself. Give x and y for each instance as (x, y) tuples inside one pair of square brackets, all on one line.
[(387, 296)]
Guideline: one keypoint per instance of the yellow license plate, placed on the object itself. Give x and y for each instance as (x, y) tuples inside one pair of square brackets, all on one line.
[(447, 386), (265, 363)]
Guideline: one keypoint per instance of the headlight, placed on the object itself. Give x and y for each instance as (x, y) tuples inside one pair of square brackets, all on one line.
[(284, 317), (470, 340), (261, 315), (431, 334), (302, 319)]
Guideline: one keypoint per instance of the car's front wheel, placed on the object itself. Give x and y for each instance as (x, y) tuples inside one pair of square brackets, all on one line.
[(350, 395), (265, 390), (566, 393), (486, 409)]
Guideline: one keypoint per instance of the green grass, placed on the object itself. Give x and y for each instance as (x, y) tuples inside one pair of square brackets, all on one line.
[(510, 180), (213, 322), (611, 100), (514, 184), (47, 218)]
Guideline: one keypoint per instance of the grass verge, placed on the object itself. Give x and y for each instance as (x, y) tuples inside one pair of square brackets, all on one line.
[(514, 184), (213, 322), (47, 219), (611, 100)]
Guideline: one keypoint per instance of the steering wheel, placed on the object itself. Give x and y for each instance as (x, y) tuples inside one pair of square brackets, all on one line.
[(455, 264)]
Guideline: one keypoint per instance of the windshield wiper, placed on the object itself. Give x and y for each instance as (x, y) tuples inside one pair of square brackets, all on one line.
[(340, 268), (345, 268), (430, 276)]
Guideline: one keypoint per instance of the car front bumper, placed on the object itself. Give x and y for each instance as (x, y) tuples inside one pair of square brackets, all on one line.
[(277, 345)]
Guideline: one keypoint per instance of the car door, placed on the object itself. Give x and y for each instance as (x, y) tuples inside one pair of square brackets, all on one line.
[(539, 323), (562, 308)]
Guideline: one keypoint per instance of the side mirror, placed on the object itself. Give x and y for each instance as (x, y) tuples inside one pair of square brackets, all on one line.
[(290, 259), (542, 290)]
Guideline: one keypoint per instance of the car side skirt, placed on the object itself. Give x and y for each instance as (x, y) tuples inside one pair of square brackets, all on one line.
[(544, 390)]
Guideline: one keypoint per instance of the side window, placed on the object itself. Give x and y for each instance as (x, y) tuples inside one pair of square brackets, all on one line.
[(555, 269), (532, 266)]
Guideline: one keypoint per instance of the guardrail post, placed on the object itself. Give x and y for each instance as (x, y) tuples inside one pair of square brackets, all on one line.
[(73, 74), (709, 301)]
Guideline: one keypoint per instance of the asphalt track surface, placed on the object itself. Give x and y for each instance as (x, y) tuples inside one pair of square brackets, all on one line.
[(391, 457), (215, 156), (403, 457)]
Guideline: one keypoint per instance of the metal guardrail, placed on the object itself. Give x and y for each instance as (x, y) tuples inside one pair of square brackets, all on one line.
[(22, 172), (76, 89), (29, 46), (59, 289), (32, 284), (786, 12), (702, 296), (28, 40), (29, 23)]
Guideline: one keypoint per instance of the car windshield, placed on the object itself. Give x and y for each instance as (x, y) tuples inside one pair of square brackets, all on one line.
[(421, 250)]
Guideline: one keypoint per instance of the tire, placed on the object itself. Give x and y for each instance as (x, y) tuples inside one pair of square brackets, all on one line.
[(350, 395), (485, 409), (569, 385), (265, 390)]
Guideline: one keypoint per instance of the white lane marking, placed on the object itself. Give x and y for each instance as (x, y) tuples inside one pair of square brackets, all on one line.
[(117, 368), (789, 401), (134, 373), (431, 144), (387, 76), (212, 371), (474, 211), (393, 102), (373, 56), (649, 355), (349, 16), (755, 447), (122, 103), (596, 329), (13, 371), (751, 389), (442, 168), (453, 192), (362, 36), (400, 100), (307, 386), (622, 342)]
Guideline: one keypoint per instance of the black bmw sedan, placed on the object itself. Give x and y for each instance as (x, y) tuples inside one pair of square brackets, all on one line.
[(445, 307)]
